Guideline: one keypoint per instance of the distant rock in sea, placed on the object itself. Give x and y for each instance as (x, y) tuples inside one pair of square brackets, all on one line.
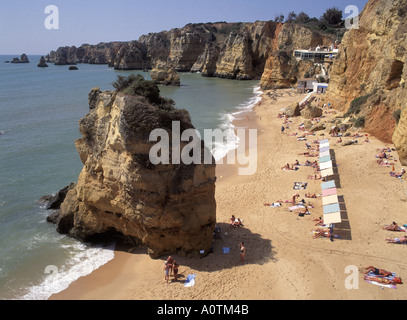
[(42, 63), (73, 68), (23, 59)]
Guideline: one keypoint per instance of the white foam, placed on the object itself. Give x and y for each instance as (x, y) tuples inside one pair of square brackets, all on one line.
[(81, 264), (220, 150)]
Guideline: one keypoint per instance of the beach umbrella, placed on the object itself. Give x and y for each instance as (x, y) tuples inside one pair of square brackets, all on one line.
[(330, 199), (325, 165), (329, 192), (327, 172), (331, 218), (328, 185), (324, 154), (331, 208), (324, 145), (324, 159)]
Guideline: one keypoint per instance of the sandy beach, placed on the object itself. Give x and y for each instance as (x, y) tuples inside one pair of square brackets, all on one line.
[(283, 260)]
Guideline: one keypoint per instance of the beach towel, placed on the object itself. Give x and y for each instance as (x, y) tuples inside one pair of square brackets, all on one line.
[(328, 185), (300, 186), (190, 281), (324, 154), (296, 207), (331, 208), (324, 159), (323, 149), (370, 279), (327, 172), (331, 218), (273, 205), (226, 250), (323, 141), (325, 165), (324, 145), (330, 199), (329, 192)]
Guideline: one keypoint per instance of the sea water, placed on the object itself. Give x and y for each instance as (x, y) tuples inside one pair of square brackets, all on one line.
[(39, 113)]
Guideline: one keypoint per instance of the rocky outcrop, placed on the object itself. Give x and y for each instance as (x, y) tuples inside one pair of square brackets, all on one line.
[(23, 59), (92, 54), (225, 50), (42, 63), (371, 64), (164, 74), (168, 208), (282, 70)]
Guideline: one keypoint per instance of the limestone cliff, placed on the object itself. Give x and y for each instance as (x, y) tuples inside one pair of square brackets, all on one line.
[(370, 67), (225, 50), (168, 208), (282, 70)]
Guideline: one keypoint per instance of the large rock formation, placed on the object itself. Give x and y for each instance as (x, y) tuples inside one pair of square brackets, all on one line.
[(282, 70), (165, 74), (168, 208), (42, 63), (225, 50), (23, 59), (370, 67)]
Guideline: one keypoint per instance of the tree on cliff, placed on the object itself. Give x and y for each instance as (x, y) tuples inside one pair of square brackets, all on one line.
[(332, 17), (291, 17), (136, 85), (302, 18)]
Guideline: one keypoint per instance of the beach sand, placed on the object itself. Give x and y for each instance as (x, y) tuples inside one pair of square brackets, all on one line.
[(283, 261)]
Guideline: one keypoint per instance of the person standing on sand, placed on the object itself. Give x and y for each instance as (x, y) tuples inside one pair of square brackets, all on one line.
[(166, 272), (175, 270), (242, 250)]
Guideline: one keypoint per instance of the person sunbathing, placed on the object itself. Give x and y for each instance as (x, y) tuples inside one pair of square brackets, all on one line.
[(401, 240), (393, 281), (382, 155), (309, 195), (274, 204), (294, 198), (296, 163), (287, 167), (393, 227), (320, 221), (378, 272), (398, 175), (322, 232), (315, 177)]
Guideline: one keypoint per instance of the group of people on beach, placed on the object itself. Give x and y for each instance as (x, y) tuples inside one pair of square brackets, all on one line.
[(170, 268)]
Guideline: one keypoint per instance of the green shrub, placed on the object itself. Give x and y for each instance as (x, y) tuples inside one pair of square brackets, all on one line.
[(136, 85), (356, 105), (360, 122)]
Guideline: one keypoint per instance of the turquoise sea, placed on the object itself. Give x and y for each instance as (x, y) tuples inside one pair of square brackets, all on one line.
[(39, 113)]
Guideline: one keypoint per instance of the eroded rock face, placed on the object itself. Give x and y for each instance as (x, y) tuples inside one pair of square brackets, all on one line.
[(165, 74), (371, 61), (224, 50), (168, 208), (282, 70)]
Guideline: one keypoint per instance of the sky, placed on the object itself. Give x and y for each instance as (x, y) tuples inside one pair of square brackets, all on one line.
[(26, 26)]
